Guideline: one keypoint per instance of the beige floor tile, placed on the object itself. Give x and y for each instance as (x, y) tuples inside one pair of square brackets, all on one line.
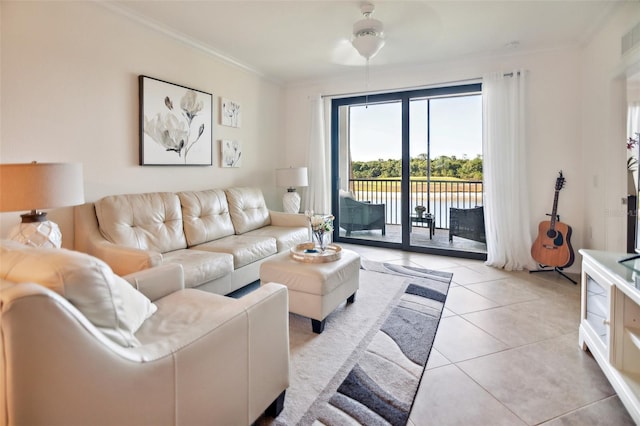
[(447, 313), (504, 291), (608, 411), (436, 262), (465, 275), (555, 277), (490, 272), (458, 340), (541, 381), (436, 359), (460, 300), (552, 287), (449, 397), (562, 315), (514, 327)]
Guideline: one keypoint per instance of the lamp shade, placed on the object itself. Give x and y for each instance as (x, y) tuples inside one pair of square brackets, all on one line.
[(33, 186), (292, 177)]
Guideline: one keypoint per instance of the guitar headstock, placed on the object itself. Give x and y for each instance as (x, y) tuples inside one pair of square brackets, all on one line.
[(560, 182)]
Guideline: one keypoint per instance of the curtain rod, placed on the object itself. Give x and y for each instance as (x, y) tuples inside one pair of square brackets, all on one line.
[(403, 89)]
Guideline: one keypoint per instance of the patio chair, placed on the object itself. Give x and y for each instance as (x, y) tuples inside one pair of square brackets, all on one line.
[(467, 223), (360, 215)]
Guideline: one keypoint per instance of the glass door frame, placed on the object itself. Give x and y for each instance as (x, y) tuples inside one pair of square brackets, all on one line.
[(404, 97)]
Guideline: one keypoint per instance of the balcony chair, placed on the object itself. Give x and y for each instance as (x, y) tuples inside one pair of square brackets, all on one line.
[(360, 216), (467, 223)]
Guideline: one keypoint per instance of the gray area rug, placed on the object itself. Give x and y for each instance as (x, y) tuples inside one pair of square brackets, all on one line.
[(366, 366)]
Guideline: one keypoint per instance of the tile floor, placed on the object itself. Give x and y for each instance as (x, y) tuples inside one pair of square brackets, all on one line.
[(506, 351)]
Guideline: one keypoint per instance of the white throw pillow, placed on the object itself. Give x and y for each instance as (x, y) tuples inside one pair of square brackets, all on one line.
[(108, 301), (137, 306)]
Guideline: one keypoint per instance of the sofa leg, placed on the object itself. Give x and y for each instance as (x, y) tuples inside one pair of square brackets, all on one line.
[(351, 298), (276, 406), (317, 326)]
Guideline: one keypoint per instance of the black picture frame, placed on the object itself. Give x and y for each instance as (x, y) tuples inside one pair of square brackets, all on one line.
[(176, 124)]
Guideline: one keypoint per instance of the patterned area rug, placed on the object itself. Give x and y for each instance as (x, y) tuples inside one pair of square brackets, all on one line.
[(380, 388)]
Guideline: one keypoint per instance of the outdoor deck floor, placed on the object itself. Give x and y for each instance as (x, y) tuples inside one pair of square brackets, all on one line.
[(420, 238)]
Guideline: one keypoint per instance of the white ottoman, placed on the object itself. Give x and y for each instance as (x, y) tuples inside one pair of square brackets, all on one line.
[(315, 289)]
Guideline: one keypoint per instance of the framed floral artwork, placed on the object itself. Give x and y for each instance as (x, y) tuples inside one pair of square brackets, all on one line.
[(176, 124), (230, 153), (229, 113)]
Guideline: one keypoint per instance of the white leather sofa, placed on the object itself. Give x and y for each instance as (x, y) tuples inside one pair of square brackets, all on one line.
[(220, 237), (81, 346)]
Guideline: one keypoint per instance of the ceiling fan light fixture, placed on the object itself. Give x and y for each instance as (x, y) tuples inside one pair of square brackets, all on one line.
[(368, 45), (367, 33), (368, 25)]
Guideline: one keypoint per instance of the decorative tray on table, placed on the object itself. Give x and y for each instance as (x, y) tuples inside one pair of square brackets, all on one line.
[(310, 253)]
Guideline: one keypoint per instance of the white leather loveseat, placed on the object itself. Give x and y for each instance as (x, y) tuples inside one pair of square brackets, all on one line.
[(82, 346), (220, 237)]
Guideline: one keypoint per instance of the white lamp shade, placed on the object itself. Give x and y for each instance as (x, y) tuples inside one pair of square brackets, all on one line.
[(33, 186), (292, 177)]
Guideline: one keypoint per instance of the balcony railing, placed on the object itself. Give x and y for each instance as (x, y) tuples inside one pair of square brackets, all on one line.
[(435, 195)]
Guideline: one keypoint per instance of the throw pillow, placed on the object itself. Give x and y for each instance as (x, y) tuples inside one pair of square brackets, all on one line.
[(108, 301)]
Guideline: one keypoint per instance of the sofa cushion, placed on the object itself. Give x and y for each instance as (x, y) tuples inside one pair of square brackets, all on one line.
[(245, 249), (285, 236), (247, 208), (205, 215), (151, 221), (200, 266), (186, 316), (105, 299)]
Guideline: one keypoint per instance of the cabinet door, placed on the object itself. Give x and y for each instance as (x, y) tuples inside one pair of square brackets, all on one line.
[(597, 308), (626, 332)]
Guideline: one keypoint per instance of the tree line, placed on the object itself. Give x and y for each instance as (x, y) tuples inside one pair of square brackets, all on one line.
[(443, 166)]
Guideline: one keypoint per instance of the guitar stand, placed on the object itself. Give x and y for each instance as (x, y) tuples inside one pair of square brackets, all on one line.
[(556, 269)]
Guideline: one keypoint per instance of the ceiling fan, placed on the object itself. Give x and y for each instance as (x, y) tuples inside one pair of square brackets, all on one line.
[(366, 40), (368, 33)]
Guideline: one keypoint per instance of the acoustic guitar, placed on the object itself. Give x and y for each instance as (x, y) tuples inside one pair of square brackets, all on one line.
[(553, 245)]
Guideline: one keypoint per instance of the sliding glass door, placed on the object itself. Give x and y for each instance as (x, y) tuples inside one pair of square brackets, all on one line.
[(401, 162), (369, 170)]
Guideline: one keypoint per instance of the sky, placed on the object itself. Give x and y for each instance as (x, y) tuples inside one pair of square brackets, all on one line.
[(456, 129)]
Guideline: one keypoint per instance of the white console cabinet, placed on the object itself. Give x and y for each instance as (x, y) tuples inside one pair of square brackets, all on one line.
[(610, 321)]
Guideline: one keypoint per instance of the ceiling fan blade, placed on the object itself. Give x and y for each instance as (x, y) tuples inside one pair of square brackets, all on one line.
[(345, 54)]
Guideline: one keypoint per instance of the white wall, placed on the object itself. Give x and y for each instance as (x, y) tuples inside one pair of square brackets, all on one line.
[(554, 126), (604, 130), (70, 93)]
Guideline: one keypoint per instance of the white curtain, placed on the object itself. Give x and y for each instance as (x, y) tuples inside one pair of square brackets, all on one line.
[(633, 127), (317, 195), (506, 201), (633, 119)]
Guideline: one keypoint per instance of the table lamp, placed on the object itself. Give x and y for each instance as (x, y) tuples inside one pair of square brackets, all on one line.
[(291, 178), (32, 186)]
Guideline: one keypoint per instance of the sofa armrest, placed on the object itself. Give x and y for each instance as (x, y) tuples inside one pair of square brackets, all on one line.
[(159, 281), (268, 315), (122, 260), (288, 219)]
